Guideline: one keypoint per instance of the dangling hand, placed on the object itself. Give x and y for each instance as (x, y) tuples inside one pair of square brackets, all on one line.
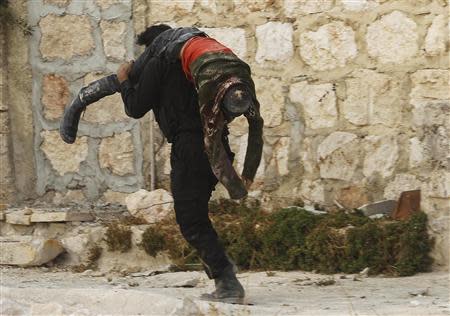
[(124, 70)]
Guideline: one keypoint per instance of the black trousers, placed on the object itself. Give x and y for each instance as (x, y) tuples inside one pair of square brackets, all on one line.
[(192, 182)]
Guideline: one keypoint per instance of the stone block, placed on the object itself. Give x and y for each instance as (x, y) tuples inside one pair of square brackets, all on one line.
[(438, 186), (352, 197), (62, 215), (64, 157), (151, 206), (209, 4), (58, 3), (72, 196), (247, 6), (18, 216), (106, 4), (271, 98), (173, 5), (115, 197), (331, 46), (28, 250), (234, 38), (2, 215), (312, 191), (437, 36), (293, 8), (55, 96), (338, 156), (382, 153), (274, 42), (393, 38), (116, 154), (76, 247), (66, 36), (417, 152), (359, 5), (318, 103), (402, 182), (281, 149), (113, 35), (109, 109), (372, 98), (430, 97)]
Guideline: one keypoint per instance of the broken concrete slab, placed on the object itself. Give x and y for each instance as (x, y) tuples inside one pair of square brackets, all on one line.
[(28, 250), (381, 207), (60, 215), (408, 203), (151, 206)]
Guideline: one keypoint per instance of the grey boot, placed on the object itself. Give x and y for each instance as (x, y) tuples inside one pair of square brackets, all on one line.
[(228, 288)]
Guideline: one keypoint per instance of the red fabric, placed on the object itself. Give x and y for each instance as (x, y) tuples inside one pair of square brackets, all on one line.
[(197, 46)]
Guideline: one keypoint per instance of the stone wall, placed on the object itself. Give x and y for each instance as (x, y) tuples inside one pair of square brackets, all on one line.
[(354, 93), (6, 166), (74, 43)]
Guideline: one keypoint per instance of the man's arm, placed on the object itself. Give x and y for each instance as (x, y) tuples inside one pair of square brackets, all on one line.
[(254, 146), (138, 99)]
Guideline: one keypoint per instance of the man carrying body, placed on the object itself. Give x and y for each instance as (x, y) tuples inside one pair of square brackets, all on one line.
[(161, 85)]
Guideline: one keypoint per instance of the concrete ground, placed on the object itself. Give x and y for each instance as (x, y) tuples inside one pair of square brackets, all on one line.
[(40, 291)]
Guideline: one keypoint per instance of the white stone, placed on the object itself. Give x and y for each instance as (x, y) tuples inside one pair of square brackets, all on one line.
[(117, 153), (271, 98), (318, 103), (64, 157), (76, 247), (331, 46), (338, 156), (416, 152), (437, 36), (312, 191), (28, 250), (282, 155), (209, 4), (233, 38), (72, 196), (438, 186), (184, 5), (402, 182), (18, 217), (61, 215), (393, 38), (381, 155), (113, 35), (274, 42), (359, 5), (430, 97), (115, 197), (292, 8), (151, 206), (372, 98)]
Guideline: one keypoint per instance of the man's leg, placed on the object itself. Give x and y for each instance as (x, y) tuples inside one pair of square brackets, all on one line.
[(87, 95)]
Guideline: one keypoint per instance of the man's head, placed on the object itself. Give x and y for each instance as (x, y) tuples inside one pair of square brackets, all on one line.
[(236, 101), (147, 37)]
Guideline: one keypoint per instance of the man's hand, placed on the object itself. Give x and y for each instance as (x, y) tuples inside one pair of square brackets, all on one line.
[(124, 70)]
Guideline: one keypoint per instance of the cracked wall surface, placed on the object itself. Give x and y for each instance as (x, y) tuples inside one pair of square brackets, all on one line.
[(354, 93)]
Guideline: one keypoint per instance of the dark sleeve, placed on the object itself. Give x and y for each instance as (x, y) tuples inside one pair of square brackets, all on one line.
[(140, 98), (254, 145)]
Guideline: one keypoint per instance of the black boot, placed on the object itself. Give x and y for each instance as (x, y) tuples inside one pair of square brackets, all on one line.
[(228, 288), (87, 95)]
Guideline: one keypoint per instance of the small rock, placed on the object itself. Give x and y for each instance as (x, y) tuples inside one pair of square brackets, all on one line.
[(365, 272), (343, 277), (87, 272), (150, 206), (355, 278), (421, 292), (133, 284), (414, 303), (187, 283), (325, 282)]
